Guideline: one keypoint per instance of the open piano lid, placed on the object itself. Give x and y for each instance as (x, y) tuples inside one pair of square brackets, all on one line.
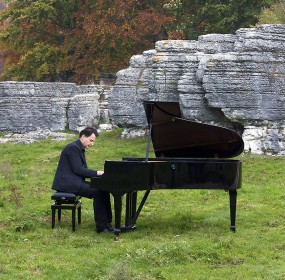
[(173, 136)]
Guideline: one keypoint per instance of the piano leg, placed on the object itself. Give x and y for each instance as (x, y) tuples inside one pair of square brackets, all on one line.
[(233, 202), (131, 205), (140, 207), (132, 213), (118, 214)]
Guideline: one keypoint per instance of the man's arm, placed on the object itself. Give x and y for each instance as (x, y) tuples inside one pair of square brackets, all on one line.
[(75, 159)]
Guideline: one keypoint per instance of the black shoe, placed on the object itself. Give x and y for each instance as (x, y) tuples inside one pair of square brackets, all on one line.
[(109, 226), (108, 229)]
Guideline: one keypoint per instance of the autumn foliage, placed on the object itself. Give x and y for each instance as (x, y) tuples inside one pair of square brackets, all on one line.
[(77, 41), (69, 40)]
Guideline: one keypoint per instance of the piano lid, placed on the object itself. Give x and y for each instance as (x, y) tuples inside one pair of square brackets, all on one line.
[(173, 136)]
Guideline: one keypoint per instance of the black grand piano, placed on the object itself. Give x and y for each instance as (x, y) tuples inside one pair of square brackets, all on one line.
[(189, 155)]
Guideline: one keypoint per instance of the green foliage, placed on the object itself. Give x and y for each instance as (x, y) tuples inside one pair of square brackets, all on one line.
[(181, 234), (39, 64), (28, 22), (274, 14), (32, 36), (215, 16)]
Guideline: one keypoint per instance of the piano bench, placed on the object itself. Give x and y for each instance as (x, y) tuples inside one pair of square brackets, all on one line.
[(67, 201)]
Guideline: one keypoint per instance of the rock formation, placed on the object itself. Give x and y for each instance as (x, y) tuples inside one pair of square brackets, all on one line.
[(231, 80), (29, 106), (236, 81)]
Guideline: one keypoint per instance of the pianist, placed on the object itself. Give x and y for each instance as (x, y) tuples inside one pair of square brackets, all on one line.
[(71, 174)]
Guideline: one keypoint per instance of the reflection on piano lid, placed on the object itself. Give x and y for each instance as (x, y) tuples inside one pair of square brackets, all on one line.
[(173, 136)]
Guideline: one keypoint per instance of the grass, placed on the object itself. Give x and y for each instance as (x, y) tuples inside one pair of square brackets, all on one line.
[(181, 234)]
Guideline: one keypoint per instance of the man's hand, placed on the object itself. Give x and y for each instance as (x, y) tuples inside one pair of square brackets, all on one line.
[(100, 173)]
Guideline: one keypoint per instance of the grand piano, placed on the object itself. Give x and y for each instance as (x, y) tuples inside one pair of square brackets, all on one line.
[(188, 155)]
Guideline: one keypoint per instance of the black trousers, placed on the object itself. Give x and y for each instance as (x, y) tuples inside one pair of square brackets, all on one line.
[(101, 204)]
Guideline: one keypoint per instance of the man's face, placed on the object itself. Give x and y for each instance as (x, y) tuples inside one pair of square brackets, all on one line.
[(88, 141)]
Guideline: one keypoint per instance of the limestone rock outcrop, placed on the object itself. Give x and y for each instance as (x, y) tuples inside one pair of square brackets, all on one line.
[(235, 81), (232, 80), (30, 106)]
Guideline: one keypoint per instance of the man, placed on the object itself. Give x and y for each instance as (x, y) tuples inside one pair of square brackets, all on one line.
[(71, 174)]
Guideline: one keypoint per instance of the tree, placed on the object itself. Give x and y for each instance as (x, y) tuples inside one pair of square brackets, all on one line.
[(108, 35), (274, 14), (32, 38), (215, 16), (62, 40), (76, 41)]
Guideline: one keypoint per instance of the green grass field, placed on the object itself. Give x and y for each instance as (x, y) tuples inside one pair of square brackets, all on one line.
[(181, 234)]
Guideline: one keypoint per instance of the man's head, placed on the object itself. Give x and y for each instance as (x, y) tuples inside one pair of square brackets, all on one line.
[(88, 136)]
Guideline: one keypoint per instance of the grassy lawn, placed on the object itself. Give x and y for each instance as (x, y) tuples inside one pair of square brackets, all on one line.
[(181, 234)]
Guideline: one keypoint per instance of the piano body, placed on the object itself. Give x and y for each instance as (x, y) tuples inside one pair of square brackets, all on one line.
[(189, 155)]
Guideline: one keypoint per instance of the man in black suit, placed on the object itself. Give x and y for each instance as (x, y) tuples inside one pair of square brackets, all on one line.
[(71, 174)]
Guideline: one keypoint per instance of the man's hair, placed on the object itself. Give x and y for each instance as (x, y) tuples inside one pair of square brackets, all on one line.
[(88, 131)]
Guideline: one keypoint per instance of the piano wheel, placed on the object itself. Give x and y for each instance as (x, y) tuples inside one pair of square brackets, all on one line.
[(117, 235)]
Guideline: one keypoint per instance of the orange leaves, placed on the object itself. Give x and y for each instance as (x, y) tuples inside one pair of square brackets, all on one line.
[(90, 37)]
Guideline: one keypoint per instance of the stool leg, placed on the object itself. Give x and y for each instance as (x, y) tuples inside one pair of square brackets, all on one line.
[(73, 218), (59, 214), (53, 210), (79, 215)]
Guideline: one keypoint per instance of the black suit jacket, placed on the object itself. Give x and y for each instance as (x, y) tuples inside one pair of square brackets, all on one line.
[(72, 169)]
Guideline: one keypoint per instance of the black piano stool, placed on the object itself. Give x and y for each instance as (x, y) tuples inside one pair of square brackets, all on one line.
[(67, 201)]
